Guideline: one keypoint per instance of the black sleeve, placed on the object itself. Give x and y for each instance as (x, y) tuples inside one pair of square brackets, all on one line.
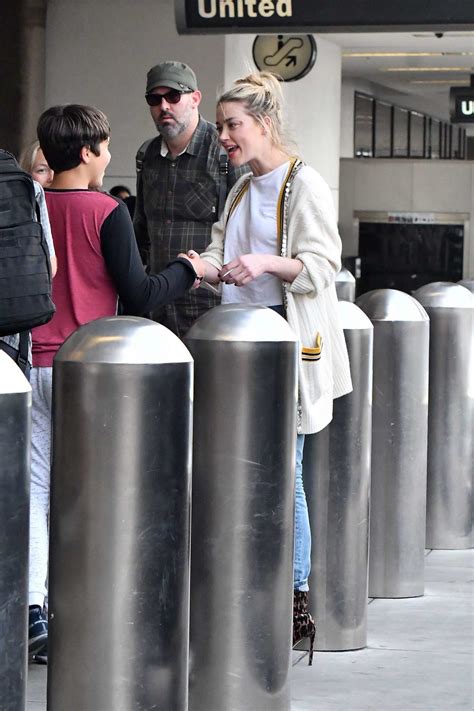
[(138, 291)]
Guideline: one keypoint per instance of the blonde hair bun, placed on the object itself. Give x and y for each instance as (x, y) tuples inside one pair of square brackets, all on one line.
[(262, 95)]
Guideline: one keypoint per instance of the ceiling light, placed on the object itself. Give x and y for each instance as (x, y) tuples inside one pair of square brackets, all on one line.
[(363, 55), (466, 70), (459, 82), (429, 35)]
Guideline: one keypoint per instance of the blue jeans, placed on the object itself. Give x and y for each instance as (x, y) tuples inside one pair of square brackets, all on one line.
[(302, 563)]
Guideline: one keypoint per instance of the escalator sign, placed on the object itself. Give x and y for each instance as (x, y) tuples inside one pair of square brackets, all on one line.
[(290, 57)]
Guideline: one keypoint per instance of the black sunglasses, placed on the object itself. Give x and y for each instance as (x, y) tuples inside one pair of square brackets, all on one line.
[(173, 96)]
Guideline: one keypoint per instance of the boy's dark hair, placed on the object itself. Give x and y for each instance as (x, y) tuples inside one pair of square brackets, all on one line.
[(64, 130)]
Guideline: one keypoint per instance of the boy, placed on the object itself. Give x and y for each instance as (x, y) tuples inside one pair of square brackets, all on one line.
[(99, 263)]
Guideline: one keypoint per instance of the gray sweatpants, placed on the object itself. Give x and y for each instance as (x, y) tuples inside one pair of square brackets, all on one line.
[(41, 385)]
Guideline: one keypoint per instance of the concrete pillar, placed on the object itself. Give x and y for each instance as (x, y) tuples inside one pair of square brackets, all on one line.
[(33, 74), (22, 62), (10, 73)]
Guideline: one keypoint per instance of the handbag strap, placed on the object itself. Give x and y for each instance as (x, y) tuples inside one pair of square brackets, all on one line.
[(282, 204), (238, 197), (223, 180)]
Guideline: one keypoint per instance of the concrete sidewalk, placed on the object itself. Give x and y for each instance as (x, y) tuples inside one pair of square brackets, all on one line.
[(420, 653)]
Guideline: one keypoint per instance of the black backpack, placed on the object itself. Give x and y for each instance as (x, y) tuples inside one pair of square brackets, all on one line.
[(25, 268)]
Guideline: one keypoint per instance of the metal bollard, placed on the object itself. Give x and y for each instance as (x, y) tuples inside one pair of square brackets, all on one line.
[(468, 284), (399, 443), (337, 482), (120, 519), (15, 435), (451, 417), (243, 509), (345, 285)]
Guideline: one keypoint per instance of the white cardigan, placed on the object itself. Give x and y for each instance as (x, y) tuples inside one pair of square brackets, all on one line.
[(312, 309)]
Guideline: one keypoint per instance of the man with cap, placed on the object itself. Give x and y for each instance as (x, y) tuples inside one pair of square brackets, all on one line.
[(182, 182)]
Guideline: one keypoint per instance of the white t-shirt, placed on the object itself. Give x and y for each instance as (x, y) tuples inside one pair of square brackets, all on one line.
[(252, 229)]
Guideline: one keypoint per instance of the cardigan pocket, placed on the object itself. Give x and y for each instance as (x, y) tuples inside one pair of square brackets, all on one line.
[(314, 353), (315, 386), (311, 377)]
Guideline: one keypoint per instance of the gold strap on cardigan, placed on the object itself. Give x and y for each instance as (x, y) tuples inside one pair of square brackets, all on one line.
[(294, 166), (238, 197)]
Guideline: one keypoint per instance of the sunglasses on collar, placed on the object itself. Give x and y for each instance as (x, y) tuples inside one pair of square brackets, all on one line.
[(173, 96)]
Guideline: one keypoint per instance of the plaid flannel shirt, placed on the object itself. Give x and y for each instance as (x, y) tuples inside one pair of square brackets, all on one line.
[(177, 204)]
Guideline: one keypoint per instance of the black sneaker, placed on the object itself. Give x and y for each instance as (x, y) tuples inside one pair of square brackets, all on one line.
[(41, 656), (37, 630)]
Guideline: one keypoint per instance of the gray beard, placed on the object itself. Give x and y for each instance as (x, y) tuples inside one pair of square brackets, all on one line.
[(171, 130), (176, 128)]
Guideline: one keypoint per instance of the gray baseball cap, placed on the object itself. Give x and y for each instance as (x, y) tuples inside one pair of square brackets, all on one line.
[(175, 75)]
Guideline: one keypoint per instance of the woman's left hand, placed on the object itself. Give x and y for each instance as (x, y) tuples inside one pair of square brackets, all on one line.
[(244, 269)]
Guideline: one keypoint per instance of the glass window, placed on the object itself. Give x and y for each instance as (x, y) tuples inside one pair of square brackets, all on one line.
[(383, 130), (435, 138), (400, 132), (462, 143), (417, 135), (469, 154), (457, 141), (449, 141), (427, 150), (444, 147), (363, 126)]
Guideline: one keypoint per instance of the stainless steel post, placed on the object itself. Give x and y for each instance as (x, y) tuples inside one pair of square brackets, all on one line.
[(15, 432), (336, 473), (399, 443), (451, 415), (243, 509), (120, 519), (468, 284), (345, 285)]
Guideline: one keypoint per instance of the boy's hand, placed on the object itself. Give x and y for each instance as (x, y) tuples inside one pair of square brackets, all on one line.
[(198, 266)]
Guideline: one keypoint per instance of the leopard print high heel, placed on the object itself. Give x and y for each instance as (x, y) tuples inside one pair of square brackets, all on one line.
[(303, 622)]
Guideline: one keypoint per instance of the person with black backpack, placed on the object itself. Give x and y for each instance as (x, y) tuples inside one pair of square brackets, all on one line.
[(99, 264), (33, 161), (27, 256)]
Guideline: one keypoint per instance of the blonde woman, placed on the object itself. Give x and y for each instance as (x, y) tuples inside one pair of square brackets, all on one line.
[(277, 244), (33, 161)]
